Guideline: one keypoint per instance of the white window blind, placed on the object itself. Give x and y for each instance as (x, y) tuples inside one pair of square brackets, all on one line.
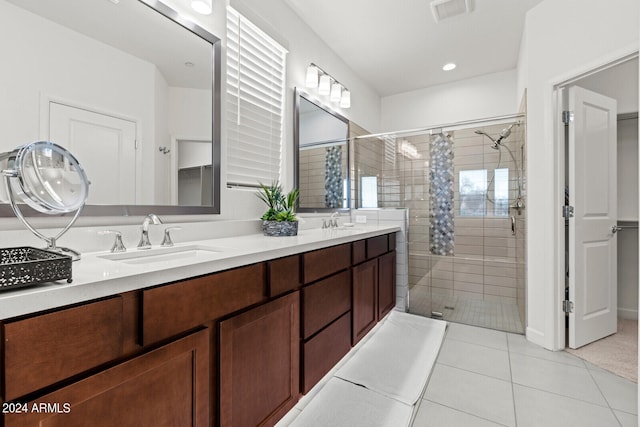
[(255, 103)]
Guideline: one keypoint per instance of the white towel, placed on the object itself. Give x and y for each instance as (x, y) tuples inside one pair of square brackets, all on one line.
[(342, 404), (397, 360)]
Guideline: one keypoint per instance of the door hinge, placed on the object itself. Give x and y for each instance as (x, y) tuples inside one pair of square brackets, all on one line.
[(567, 117), (567, 306), (135, 144), (567, 211)]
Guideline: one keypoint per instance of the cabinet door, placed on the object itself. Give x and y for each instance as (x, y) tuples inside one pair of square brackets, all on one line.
[(386, 283), (259, 363), (365, 293), (168, 386), (44, 349)]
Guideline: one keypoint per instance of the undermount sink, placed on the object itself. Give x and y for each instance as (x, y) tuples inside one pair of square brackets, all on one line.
[(175, 253)]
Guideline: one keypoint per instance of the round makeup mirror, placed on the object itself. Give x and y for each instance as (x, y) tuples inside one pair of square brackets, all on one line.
[(48, 179)]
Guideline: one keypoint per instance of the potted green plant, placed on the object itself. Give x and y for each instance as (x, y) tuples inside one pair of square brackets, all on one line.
[(280, 218)]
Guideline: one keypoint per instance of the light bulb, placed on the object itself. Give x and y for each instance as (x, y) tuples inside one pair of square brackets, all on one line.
[(345, 99), (336, 91), (312, 76), (325, 85)]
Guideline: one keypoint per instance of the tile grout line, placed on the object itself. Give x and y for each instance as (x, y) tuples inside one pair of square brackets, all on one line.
[(603, 396), (513, 392), (465, 412)]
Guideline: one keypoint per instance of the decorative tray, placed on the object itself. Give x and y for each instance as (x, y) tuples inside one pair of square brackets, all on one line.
[(25, 266)]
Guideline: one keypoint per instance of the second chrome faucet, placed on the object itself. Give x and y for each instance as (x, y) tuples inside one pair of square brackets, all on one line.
[(144, 237)]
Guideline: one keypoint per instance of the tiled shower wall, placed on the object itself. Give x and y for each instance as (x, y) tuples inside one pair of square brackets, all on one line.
[(311, 178), (489, 259)]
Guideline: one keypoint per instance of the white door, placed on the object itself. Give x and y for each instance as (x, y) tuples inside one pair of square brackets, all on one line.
[(104, 146), (593, 194)]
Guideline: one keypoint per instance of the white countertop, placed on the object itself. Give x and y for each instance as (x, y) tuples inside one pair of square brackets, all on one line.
[(96, 277)]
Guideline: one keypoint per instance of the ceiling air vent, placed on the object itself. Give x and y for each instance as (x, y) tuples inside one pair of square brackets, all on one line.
[(444, 9)]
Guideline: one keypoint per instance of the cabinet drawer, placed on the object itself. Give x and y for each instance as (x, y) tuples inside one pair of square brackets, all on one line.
[(176, 308), (325, 301), (322, 352), (45, 349), (392, 241), (284, 275), (376, 246), (359, 251), (324, 262)]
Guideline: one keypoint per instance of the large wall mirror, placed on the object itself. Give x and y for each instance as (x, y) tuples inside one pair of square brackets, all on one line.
[(129, 87), (321, 138)]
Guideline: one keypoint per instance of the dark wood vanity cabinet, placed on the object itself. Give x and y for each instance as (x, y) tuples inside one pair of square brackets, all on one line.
[(175, 308), (374, 283), (232, 348), (42, 350), (167, 386), (326, 326), (386, 284), (259, 363), (365, 299)]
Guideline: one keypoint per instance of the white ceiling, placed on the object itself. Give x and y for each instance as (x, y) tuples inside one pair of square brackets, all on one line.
[(136, 29), (396, 45)]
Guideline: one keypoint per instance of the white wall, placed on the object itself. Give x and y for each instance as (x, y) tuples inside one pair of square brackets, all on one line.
[(304, 46), (50, 68), (318, 125), (476, 98), (563, 38)]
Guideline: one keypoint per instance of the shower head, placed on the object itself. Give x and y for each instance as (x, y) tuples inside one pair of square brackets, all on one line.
[(495, 145), (504, 134)]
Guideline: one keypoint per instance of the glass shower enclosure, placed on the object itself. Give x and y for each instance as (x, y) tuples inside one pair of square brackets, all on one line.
[(464, 186)]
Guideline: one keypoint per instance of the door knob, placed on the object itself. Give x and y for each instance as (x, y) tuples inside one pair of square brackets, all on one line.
[(615, 229)]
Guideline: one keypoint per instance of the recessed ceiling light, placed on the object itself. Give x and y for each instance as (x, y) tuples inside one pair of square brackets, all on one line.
[(448, 67)]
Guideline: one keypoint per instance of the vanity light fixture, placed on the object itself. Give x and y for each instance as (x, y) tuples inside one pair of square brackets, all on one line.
[(449, 66), (312, 76), (203, 7), (324, 88), (336, 92), (326, 84), (345, 99)]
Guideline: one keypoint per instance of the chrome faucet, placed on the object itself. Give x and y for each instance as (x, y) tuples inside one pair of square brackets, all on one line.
[(333, 221), (144, 237)]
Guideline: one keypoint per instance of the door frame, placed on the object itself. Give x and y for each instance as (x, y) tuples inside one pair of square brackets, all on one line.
[(559, 103)]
